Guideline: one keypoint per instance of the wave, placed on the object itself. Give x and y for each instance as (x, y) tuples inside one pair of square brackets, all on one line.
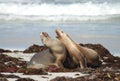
[(59, 12)]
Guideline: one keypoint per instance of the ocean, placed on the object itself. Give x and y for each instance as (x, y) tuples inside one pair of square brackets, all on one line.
[(85, 21)]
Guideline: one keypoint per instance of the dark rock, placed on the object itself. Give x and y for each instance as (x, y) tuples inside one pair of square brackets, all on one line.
[(30, 71), (10, 64), (3, 50), (34, 48), (8, 76), (55, 69), (93, 76), (62, 79), (6, 58), (25, 79), (3, 79), (15, 51)]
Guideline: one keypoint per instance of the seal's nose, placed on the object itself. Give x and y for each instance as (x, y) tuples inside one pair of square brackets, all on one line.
[(57, 31), (41, 33)]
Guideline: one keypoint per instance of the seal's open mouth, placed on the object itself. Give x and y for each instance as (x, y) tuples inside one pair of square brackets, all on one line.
[(58, 33), (44, 34)]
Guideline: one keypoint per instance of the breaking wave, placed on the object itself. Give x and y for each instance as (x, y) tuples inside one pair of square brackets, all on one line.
[(59, 12)]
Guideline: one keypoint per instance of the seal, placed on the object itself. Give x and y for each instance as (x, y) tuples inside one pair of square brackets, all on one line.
[(41, 60), (82, 55), (54, 55), (56, 47)]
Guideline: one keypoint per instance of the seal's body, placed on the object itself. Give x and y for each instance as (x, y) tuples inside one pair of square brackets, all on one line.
[(41, 60), (79, 54)]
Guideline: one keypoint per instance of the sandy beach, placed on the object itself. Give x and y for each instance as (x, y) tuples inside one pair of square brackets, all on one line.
[(37, 77), (13, 67)]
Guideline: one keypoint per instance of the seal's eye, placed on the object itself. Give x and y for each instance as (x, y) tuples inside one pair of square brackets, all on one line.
[(62, 31)]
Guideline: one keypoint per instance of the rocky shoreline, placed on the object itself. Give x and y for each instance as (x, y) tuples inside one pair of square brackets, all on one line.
[(109, 71)]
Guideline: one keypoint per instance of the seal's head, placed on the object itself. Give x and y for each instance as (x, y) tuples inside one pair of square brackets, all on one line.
[(61, 35), (44, 38)]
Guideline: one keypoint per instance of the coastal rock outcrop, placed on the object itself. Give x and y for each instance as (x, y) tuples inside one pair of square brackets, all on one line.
[(108, 71), (3, 50), (34, 48)]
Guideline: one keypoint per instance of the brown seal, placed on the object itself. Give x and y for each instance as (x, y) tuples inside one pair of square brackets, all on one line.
[(81, 55), (55, 55)]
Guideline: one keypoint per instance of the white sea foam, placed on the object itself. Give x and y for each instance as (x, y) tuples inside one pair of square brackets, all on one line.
[(58, 12)]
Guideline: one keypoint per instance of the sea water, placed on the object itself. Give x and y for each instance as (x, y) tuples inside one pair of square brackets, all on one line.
[(85, 21)]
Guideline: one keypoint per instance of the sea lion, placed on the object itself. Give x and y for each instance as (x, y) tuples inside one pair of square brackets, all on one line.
[(41, 60), (81, 55), (56, 47), (55, 55)]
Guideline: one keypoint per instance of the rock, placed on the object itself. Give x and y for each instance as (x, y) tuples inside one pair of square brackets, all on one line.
[(34, 48), (3, 50), (3, 79), (15, 51), (110, 71), (30, 71), (25, 79), (6, 58), (10, 64), (8, 76), (62, 79)]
